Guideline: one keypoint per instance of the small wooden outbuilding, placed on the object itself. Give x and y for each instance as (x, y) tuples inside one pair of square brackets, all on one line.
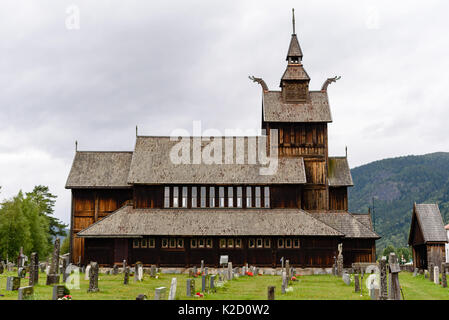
[(427, 236)]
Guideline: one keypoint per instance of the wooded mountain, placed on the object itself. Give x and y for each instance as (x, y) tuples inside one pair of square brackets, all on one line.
[(395, 185)]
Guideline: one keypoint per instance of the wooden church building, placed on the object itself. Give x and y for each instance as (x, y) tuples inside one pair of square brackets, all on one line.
[(428, 236), (142, 206)]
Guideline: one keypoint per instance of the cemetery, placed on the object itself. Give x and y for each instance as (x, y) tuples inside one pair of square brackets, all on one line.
[(363, 281)]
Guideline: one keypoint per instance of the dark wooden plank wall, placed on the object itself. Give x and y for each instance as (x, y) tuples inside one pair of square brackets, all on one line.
[(313, 252), (89, 206), (338, 198)]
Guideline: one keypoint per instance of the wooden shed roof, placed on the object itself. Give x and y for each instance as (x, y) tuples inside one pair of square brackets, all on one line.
[(276, 110), (129, 222), (151, 165), (430, 222), (91, 169), (339, 174), (347, 224)]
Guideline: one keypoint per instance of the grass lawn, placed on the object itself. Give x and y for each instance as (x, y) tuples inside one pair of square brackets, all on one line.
[(316, 287)]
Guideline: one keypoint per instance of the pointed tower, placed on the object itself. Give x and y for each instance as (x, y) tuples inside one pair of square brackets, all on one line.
[(295, 80)]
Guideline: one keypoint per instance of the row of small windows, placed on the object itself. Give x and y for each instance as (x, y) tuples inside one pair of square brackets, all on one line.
[(225, 243), (179, 197)]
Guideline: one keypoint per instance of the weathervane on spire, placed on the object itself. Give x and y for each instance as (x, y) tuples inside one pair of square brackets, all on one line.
[(293, 20)]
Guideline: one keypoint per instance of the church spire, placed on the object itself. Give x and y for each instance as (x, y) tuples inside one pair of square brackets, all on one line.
[(294, 55)]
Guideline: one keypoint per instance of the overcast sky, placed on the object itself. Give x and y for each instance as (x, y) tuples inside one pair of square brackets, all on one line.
[(161, 65)]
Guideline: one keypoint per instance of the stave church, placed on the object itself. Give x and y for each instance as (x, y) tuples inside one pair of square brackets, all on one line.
[(154, 206)]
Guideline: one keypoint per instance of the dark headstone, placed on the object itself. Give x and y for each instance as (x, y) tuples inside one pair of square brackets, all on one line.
[(431, 274), (212, 283), (444, 279), (34, 269), (126, 278), (340, 260), (153, 271), (53, 275), (190, 287), (58, 291), (12, 283), (93, 278), (271, 292), (394, 292), (356, 283), (383, 279), (26, 293), (115, 270), (141, 297)]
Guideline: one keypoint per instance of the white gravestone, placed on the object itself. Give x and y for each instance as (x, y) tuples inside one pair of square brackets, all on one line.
[(436, 275), (172, 293), (86, 275)]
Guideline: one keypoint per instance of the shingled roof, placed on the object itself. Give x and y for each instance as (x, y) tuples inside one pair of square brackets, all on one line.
[(430, 222), (99, 170), (151, 164), (339, 174), (294, 49), (129, 222), (364, 218), (276, 110), (347, 224), (295, 72)]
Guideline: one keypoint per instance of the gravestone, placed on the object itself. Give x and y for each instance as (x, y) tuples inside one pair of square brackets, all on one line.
[(93, 278), (58, 291), (230, 273), (431, 271), (153, 271), (26, 293), (334, 267), (202, 266), (287, 269), (12, 283), (126, 278), (346, 279), (115, 269), (206, 271), (356, 283), (394, 292), (65, 264), (159, 293), (415, 272), (138, 273), (190, 287), (426, 274), (212, 283), (141, 297), (195, 271), (340, 260), (284, 282), (124, 266), (172, 292), (21, 272), (34, 269), (10, 266), (53, 276), (383, 278), (87, 274), (436, 275), (271, 292), (21, 259), (42, 267), (224, 260)]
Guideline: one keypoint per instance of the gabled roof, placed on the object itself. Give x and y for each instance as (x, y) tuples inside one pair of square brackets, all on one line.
[(315, 110), (151, 164), (295, 72), (430, 222), (92, 169), (364, 218), (339, 174), (347, 224), (129, 222), (294, 49)]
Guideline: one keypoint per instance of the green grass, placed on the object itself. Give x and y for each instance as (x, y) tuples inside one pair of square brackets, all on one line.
[(316, 287)]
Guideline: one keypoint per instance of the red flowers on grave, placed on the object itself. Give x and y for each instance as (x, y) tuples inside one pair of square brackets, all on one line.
[(249, 273), (66, 297), (294, 279), (199, 295)]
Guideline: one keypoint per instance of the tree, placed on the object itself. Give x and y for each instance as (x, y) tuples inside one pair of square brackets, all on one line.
[(388, 250), (65, 246), (46, 202)]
